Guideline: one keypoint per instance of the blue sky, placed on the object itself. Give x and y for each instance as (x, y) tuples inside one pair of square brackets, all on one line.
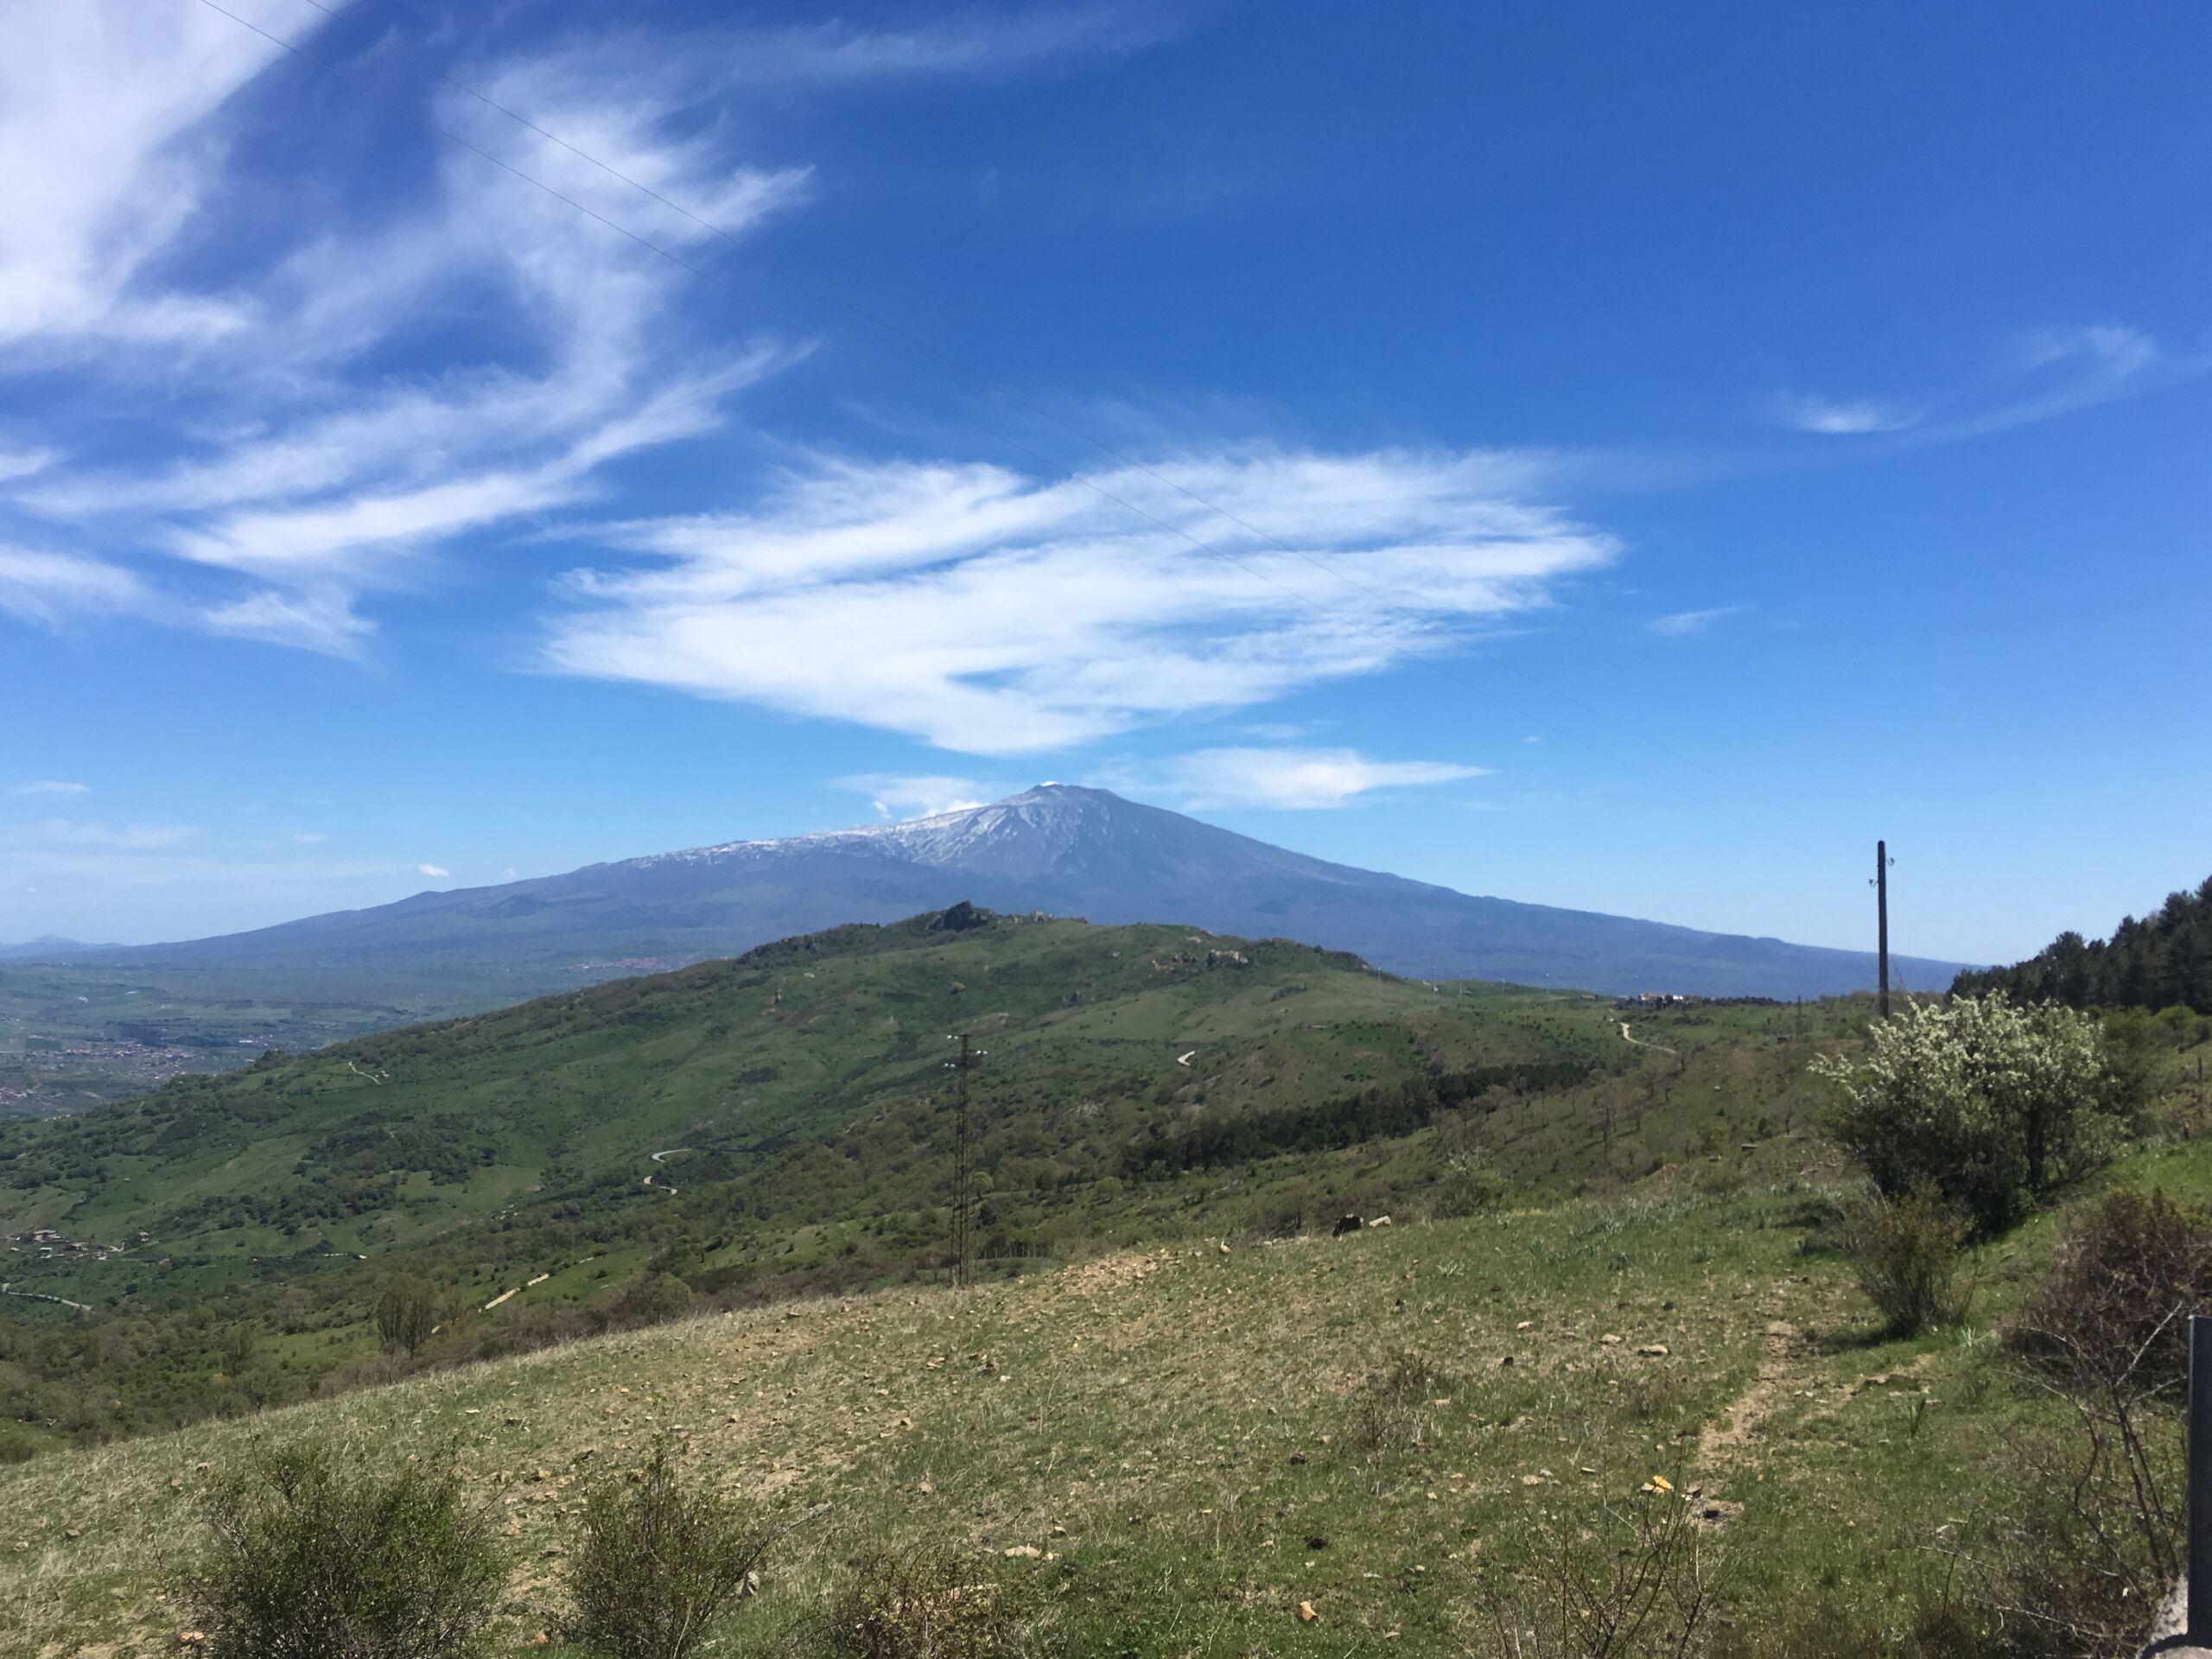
[(1619, 458)]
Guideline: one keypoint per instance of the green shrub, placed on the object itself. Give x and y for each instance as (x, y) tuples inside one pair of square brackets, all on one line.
[(1997, 1107), (926, 1604), (657, 1561), (1468, 1185), (1906, 1252), (310, 1563)]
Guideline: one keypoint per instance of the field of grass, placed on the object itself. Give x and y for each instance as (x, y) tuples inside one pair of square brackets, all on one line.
[(1194, 1441)]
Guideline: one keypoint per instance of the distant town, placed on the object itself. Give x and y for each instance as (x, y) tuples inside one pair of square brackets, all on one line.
[(74, 1072)]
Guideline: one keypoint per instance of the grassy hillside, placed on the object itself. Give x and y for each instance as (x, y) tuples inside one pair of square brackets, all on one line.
[(401, 1137), (780, 1124), (1196, 1441)]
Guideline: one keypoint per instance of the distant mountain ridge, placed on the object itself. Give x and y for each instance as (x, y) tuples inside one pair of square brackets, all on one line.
[(1057, 847), (49, 944)]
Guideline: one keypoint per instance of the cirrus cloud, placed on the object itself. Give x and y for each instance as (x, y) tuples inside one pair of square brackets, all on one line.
[(72, 832), (1290, 779), (1834, 417), (312, 458), (1677, 624), (908, 795), (986, 612), (41, 586)]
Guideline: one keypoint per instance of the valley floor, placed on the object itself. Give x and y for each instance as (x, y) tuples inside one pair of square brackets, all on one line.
[(1192, 1440)]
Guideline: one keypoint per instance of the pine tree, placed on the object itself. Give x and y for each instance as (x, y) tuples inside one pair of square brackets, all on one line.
[(2163, 961)]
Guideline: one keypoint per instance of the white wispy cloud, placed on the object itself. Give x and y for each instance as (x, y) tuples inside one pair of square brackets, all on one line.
[(1281, 778), (308, 470), (52, 786), (437, 871), (73, 832), (1836, 417), (911, 795), (107, 155), (324, 620), (2045, 373), (1677, 623), (2069, 369), (41, 586), (975, 43), (989, 612)]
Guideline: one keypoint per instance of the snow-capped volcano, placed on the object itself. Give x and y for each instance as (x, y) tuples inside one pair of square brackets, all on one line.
[(1050, 816), (1059, 848)]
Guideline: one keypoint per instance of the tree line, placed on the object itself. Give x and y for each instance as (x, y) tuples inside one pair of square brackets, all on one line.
[(1330, 1125), (2163, 961)]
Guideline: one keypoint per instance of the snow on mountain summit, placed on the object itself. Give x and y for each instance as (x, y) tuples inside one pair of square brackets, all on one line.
[(1048, 820)]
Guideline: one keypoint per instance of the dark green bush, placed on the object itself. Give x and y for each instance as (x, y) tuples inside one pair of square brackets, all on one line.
[(657, 1561), (307, 1562), (1468, 1185), (1906, 1252)]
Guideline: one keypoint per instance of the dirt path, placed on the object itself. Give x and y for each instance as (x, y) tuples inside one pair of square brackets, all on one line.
[(39, 1296), (1638, 1042), (1781, 1373)]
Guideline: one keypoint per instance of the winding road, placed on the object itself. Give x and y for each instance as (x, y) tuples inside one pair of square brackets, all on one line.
[(1627, 1037), (658, 1157)]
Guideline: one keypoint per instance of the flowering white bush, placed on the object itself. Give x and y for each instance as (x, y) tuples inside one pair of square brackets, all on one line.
[(1994, 1106)]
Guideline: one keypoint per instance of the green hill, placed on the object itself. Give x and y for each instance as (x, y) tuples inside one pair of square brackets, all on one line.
[(798, 1057), (780, 1124)]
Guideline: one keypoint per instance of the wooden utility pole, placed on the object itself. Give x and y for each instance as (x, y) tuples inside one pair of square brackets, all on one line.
[(1882, 918), (963, 1203)]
